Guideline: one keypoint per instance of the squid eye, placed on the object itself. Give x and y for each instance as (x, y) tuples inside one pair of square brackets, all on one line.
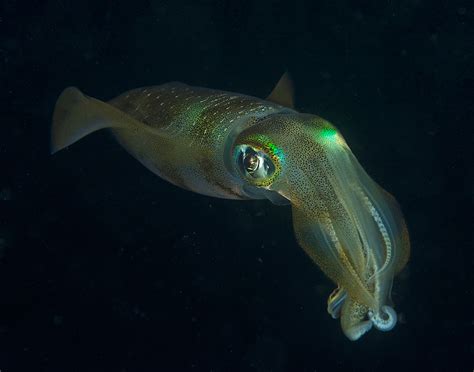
[(254, 164)]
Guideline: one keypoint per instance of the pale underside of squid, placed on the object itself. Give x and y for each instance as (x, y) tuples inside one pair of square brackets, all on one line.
[(234, 146)]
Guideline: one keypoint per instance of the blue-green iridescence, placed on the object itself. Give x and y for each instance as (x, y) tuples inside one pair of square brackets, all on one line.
[(328, 133), (265, 143), (329, 136)]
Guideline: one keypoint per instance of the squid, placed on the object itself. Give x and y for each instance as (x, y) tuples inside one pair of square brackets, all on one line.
[(234, 146)]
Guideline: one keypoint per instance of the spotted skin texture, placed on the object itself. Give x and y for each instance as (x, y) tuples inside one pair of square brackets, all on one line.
[(345, 222), (199, 139), (193, 127)]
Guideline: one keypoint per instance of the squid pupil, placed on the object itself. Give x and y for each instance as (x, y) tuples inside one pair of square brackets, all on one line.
[(251, 163)]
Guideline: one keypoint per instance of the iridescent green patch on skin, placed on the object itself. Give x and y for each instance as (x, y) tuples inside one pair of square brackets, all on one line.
[(328, 133), (329, 136)]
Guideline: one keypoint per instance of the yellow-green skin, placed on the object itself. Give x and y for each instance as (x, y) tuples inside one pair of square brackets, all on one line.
[(196, 127), (346, 223)]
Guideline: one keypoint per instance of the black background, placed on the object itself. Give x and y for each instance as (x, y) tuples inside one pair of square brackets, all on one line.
[(105, 267)]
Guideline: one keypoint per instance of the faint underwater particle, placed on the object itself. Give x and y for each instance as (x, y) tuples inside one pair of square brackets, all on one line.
[(6, 194), (402, 319), (138, 313), (128, 311), (260, 213), (58, 320)]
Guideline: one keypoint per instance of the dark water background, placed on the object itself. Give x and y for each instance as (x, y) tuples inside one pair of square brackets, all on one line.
[(104, 267)]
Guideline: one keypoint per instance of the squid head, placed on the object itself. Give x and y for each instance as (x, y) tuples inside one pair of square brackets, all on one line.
[(349, 226)]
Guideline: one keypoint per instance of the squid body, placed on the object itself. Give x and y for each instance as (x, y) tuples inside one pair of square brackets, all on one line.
[(234, 146)]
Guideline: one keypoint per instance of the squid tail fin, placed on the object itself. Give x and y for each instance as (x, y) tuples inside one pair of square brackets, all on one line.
[(77, 115)]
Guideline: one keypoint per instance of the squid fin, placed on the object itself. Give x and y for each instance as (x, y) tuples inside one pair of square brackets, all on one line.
[(76, 115), (283, 93)]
